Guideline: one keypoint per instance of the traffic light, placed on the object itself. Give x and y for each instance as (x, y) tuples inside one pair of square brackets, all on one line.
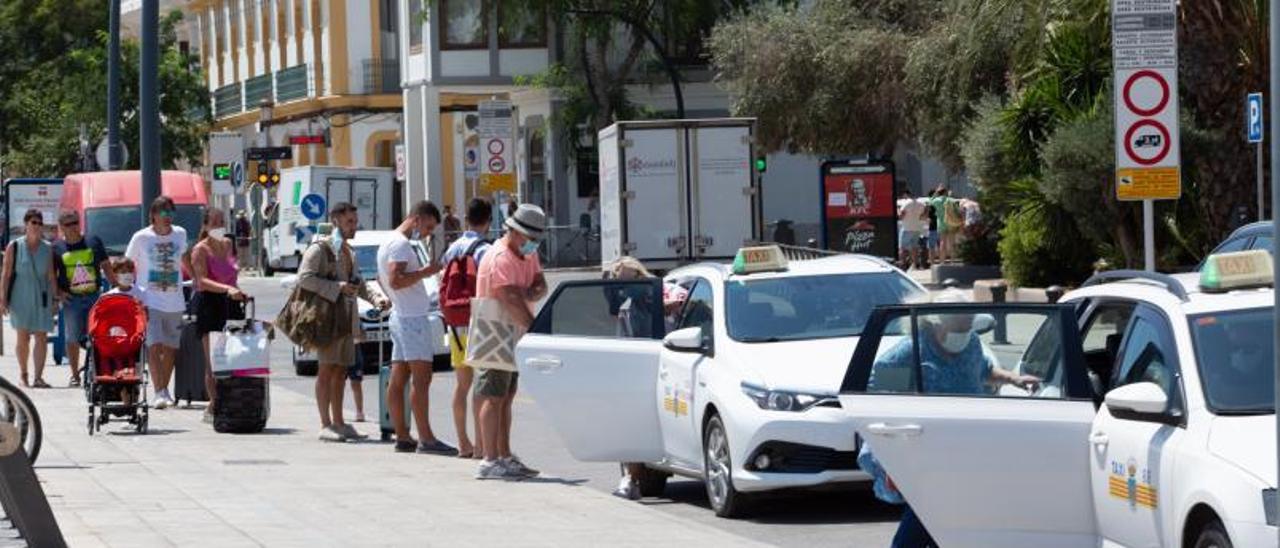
[(263, 175), (275, 177), (761, 163)]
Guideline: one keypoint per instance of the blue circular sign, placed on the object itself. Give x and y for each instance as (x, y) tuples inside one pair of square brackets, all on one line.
[(313, 207), (237, 174)]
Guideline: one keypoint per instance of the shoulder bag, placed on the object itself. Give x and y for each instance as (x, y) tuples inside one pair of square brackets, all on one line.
[(308, 319)]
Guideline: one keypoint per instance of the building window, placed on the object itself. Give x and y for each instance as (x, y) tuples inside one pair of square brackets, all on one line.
[(521, 24), (465, 24), (415, 25)]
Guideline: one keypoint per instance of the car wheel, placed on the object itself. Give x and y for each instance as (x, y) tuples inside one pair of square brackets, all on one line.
[(1213, 535), (717, 471), (653, 483)]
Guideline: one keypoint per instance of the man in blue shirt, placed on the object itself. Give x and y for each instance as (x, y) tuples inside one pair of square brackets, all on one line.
[(479, 217)]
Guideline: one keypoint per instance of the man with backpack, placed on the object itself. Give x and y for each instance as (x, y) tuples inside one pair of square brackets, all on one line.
[(413, 338), (458, 287)]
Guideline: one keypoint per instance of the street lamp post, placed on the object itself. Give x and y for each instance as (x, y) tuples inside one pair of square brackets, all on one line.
[(113, 88), (148, 106), (1274, 45), (266, 110)]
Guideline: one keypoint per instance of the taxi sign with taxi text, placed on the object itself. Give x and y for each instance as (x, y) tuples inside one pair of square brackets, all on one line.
[(1239, 270), (759, 259)]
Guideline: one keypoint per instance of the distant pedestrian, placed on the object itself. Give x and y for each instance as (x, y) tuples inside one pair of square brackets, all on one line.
[(466, 252), (244, 234), (912, 224), (941, 198), (414, 338), (82, 266), (973, 227), (28, 288), (157, 252), (218, 297), (452, 226), (932, 217), (328, 269), (512, 275)]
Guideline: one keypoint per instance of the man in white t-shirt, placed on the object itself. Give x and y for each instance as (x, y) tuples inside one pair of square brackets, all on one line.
[(414, 338), (911, 225), (156, 252)]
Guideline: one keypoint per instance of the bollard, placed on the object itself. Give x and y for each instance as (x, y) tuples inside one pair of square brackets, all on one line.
[(999, 292), (1053, 293)]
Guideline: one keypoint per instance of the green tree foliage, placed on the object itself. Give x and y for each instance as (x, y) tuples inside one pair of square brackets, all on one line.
[(43, 108)]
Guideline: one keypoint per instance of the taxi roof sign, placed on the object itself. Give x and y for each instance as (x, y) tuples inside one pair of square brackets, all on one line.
[(1238, 270), (767, 258)]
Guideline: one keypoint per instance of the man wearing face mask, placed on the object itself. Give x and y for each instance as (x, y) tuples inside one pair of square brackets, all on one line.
[(413, 336), (953, 360), (510, 273)]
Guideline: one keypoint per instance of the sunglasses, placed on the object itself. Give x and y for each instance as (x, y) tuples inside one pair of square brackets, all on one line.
[(166, 213), (71, 224), (36, 223)]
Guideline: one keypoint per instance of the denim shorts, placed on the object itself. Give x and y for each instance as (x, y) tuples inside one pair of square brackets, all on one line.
[(75, 317), (908, 239), (414, 338)]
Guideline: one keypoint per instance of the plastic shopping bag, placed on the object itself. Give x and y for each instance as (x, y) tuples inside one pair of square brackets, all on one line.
[(242, 352)]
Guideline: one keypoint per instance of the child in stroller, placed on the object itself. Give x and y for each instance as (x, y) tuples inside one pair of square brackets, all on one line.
[(115, 376)]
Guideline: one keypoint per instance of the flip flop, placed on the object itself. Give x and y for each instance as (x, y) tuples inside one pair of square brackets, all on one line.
[(40, 384)]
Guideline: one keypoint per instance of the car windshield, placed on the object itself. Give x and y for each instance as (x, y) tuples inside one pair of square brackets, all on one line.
[(809, 307), (367, 259), (1235, 352), (116, 225)]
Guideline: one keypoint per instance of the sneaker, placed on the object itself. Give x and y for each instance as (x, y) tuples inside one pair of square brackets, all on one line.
[(162, 399), (494, 469), (350, 433), (406, 446), (514, 464), (328, 433), (437, 447), (627, 489), (208, 416)]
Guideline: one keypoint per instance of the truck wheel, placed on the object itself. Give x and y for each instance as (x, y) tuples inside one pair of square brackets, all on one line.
[(717, 471), (653, 483), (1213, 535)]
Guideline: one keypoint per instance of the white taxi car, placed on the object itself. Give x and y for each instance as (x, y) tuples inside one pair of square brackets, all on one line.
[(375, 347), (741, 392), (1153, 423)]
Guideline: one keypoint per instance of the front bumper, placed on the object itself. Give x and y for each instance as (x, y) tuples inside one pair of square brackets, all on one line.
[(806, 449)]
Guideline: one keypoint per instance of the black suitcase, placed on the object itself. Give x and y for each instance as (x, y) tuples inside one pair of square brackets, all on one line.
[(189, 366), (244, 405)]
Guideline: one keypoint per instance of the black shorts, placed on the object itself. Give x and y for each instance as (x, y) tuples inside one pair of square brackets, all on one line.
[(212, 310)]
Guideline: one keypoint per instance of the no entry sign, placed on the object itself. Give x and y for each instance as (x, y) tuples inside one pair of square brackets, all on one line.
[(1145, 46)]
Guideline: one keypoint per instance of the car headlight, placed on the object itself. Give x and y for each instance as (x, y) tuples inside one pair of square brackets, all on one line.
[(1269, 505), (779, 400)]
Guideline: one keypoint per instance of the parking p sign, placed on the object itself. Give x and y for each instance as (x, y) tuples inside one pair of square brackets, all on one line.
[(1254, 111)]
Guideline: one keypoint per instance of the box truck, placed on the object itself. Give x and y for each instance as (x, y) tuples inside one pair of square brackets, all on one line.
[(288, 232), (677, 191), (110, 203)]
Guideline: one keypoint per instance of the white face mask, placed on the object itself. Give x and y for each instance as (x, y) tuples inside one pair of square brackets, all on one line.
[(218, 232), (125, 280), (956, 342)]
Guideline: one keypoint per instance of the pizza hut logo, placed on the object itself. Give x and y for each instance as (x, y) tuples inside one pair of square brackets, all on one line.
[(640, 166)]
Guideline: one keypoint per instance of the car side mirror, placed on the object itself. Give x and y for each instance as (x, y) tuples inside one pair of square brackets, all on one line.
[(688, 339), (1140, 397)]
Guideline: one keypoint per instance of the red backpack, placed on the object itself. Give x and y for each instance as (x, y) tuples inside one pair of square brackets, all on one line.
[(458, 287)]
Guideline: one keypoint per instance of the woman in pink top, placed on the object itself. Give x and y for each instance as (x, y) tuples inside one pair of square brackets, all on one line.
[(214, 269)]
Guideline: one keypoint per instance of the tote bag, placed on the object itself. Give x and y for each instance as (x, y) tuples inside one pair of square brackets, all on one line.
[(241, 352), (492, 336)]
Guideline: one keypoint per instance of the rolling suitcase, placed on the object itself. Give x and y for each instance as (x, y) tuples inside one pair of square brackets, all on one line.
[(384, 379), (244, 405), (189, 366)]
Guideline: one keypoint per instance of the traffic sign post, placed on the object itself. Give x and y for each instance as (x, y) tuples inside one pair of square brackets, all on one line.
[(269, 153), (1144, 36), (497, 132), (313, 207), (1254, 123)]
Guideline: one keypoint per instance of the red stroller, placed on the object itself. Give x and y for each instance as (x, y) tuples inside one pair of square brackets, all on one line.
[(115, 372)]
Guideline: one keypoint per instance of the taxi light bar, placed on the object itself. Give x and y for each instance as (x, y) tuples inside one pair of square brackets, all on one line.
[(1238, 270), (767, 258)]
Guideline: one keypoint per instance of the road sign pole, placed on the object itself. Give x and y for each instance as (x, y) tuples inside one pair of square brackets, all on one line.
[(1261, 199), (149, 106), (1274, 36), (1149, 233)]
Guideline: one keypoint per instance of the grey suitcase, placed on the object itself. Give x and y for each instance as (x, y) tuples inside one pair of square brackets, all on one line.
[(189, 366)]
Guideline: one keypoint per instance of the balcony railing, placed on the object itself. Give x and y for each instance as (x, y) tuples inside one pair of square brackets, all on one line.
[(381, 76), (227, 101), (256, 89), (293, 83)]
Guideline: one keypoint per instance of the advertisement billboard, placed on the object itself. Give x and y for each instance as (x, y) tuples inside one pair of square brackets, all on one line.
[(859, 213)]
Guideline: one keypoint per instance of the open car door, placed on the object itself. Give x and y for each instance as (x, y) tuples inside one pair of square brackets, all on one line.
[(982, 463), (590, 361)]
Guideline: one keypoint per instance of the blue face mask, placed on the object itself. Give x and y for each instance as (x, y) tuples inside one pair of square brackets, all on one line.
[(337, 238), (529, 248)]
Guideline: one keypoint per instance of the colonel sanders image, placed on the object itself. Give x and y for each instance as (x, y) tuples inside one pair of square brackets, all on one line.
[(859, 200)]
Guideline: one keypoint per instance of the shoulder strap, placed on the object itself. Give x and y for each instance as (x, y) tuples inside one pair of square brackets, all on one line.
[(471, 250)]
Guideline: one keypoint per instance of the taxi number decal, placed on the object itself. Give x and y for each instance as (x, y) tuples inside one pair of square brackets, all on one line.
[(1124, 483)]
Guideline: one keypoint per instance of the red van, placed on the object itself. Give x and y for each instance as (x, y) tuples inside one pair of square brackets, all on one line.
[(108, 201)]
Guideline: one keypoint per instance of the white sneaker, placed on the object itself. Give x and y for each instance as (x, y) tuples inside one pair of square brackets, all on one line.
[(515, 466), (350, 433), (328, 433), (162, 399), (627, 489), (495, 469)]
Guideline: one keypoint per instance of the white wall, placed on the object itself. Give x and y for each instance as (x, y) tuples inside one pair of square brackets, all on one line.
[(464, 63), (362, 130)]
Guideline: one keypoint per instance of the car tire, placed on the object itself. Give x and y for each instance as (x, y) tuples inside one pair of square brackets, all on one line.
[(1213, 535), (652, 483), (717, 471)]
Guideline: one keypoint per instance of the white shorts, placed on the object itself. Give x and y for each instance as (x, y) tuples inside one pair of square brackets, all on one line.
[(415, 338)]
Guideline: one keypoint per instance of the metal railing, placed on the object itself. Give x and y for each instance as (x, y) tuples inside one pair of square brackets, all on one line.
[(227, 101), (256, 89), (293, 83), (381, 76)]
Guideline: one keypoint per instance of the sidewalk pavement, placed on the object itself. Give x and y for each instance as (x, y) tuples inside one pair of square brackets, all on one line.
[(184, 485)]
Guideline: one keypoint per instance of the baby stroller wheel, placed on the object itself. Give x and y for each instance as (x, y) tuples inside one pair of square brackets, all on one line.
[(91, 421)]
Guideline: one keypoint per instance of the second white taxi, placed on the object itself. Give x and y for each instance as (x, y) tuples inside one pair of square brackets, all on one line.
[(738, 389), (1153, 423)]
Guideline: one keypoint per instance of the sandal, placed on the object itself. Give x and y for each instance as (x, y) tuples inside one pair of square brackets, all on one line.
[(26, 383), (40, 384), (74, 382)]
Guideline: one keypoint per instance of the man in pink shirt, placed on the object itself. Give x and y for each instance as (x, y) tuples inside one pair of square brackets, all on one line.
[(510, 273)]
